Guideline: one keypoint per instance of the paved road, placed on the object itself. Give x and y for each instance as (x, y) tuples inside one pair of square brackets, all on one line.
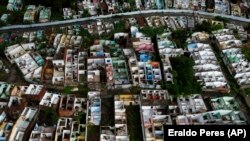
[(127, 14)]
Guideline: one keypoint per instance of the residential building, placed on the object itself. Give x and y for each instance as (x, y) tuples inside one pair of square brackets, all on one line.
[(71, 67), (15, 51), (232, 56), (34, 93), (78, 131), (68, 62), (154, 96), (67, 13), (47, 72), (107, 133), (94, 108), (23, 126), (99, 27), (58, 65), (4, 18), (191, 104), (181, 4), (6, 126), (16, 103), (42, 133), (63, 129), (50, 100), (237, 65), (235, 9), (145, 72), (197, 5), (29, 66), (224, 103), (44, 15), (154, 21), (167, 49), (207, 69), (120, 102), (224, 117), (29, 63), (154, 118), (222, 7), (14, 5), (70, 105), (5, 90), (30, 14)]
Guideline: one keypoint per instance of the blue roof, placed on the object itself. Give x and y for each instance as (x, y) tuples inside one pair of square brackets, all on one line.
[(192, 45), (159, 4), (145, 57), (150, 77)]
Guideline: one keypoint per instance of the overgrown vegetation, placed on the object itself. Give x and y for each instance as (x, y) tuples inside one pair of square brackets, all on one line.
[(222, 19), (184, 80), (48, 116), (83, 90), (246, 51), (207, 27), (67, 90), (134, 122), (152, 31), (180, 36), (247, 28)]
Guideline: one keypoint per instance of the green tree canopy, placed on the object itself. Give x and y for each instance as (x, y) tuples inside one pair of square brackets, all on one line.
[(48, 116), (180, 36), (152, 31), (183, 73), (246, 51)]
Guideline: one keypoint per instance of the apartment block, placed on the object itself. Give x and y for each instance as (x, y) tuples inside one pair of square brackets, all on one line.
[(154, 119), (50, 100), (166, 50), (224, 103), (94, 108), (42, 133), (233, 57), (207, 69), (23, 126), (120, 102), (191, 104)]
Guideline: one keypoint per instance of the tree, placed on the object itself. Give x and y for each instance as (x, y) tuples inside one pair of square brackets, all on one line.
[(2, 23), (152, 31), (216, 27), (219, 18), (246, 51), (48, 116), (16, 17), (67, 90), (87, 37), (180, 36), (120, 26), (183, 73), (86, 13), (204, 26), (247, 28)]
